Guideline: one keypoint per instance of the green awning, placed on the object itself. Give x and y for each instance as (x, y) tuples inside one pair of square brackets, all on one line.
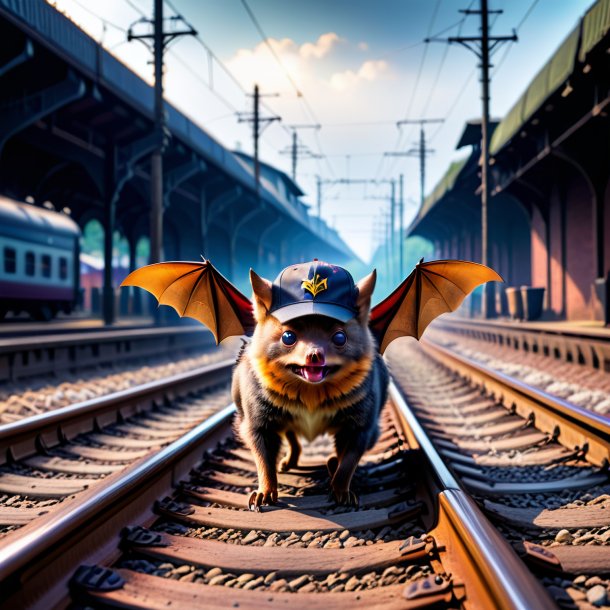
[(595, 26), (444, 185), (551, 77), (508, 126)]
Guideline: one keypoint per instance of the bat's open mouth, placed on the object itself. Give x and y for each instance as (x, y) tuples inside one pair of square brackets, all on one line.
[(313, 374)]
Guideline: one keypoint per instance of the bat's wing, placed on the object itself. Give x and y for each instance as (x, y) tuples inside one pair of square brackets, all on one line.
[(431, 289), (197, 290)]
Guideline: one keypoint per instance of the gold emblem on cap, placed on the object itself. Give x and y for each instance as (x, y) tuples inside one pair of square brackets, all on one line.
[(316, 285)]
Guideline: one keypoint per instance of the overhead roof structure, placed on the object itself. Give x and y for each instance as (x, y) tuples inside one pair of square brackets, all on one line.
[(556, 73), (58, 33)]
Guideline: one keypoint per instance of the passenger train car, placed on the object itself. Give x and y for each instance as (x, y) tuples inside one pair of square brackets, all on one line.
[(39, 260)]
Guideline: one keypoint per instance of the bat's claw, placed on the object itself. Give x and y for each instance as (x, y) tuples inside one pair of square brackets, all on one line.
[(286, 464), (258, 498), (331, 464), (345, 497)]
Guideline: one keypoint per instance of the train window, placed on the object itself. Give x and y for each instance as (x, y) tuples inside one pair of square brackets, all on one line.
[(46, 265), (10, 260), (30, 263), (63, 268)]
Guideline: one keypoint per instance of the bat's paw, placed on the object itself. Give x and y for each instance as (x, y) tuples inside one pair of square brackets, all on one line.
[(345, 497), (286, 464), (331, 464), (259, 497)]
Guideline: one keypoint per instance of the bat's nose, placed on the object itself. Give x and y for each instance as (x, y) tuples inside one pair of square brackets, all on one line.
[(316, 357)]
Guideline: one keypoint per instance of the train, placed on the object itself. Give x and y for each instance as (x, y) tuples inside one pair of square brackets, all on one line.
[(39, 260)]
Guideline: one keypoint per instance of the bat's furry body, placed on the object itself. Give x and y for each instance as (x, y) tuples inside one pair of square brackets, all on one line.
[(275, 403), (314, 384)]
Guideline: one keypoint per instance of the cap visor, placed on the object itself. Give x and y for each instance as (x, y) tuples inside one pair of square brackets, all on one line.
[(298, 310)]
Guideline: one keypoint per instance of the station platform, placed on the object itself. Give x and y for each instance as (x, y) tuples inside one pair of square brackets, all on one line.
[(23, 327), (585, 342), (590, 328)]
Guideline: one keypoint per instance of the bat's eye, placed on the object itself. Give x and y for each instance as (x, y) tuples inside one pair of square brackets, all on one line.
[(339, 338), (289, 338)]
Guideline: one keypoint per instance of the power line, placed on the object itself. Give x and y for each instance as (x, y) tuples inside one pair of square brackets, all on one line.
[(300, 95), (98, 16), (528, 12), (266, 42), (464, 88), (419, 72), (136, 8)]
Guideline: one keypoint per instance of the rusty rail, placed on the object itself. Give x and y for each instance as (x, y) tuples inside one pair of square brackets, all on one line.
[(490, 561), (22, 357), (485, 571), (24, 437), (572, 426), (587, 346)]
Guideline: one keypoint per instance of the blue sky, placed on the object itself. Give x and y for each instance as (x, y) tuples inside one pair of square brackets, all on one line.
[(357, 64)]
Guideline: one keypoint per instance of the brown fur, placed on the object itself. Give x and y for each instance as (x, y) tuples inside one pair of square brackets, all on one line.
[(275, 403)]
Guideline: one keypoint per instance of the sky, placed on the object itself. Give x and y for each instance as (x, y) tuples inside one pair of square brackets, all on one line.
[(353, 67)]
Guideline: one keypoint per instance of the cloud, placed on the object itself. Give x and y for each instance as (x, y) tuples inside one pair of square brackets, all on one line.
[(257, 65), (369, 71), (321, 47), (363, 46)]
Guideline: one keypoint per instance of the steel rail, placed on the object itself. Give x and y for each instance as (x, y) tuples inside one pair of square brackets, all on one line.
[(78, 337), (52, 547), (573, 426), (100, 505), (45, 354), (22, 438), (505, 577)]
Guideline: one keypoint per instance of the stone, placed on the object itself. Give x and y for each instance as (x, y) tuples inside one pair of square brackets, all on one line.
[(597, 596), (253, 583), (244, 578), (250, 537), (270, 578), (563, 536), (272, 540), (210, 573), (592, 581), (190, 577), (299, 582), (278, 585), (221, 579)]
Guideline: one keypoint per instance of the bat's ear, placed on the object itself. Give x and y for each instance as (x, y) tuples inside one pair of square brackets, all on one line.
[(365, 291), (262, 289)]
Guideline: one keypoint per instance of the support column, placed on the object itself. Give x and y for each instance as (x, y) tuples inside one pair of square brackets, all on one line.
[(109, 222), (598, 230), (549, 279), (203, 219)]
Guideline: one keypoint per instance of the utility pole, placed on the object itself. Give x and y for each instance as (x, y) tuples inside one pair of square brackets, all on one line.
[(160, 39), (294, 154), (297, 150), (483, 47), (421, 151), (256, 121), (401, 236), (319, 189), (393, 228)]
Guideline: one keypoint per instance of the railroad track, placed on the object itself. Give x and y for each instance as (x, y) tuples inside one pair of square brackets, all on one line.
[(48, 462), (51, 354), (571, 366), (176, 532), (537, 465)]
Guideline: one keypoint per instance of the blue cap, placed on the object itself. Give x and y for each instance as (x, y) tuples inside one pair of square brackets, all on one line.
[(314, 288)]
